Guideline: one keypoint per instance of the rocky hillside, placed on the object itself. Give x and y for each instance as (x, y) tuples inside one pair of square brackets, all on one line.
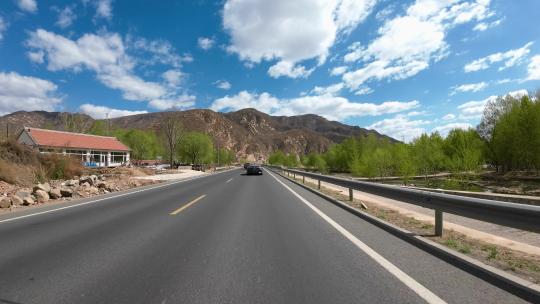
[(250, 133)]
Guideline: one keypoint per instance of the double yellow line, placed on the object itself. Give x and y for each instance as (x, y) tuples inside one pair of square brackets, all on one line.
[(175, 212)]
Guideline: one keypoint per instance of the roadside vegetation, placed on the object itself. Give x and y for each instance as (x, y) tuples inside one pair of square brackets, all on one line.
[(506, 140)]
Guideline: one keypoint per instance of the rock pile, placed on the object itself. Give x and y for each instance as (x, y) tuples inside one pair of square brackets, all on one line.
[(85, 186)]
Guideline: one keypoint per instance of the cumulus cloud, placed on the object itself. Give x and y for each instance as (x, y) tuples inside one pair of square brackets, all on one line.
[(469, 87), (157, 51), (18, 92), (339, 70), (444, 129), (508, 59), (101, 112), (400, 127), (449, 116), (28, 5), (103, 9), (262, 30), (205, 43), (483, 26), (331, 107), (66, 17), (223, 84), (534, 68), (475, 109), (106, 55), (181, 102), (332, 90), (408, 44)]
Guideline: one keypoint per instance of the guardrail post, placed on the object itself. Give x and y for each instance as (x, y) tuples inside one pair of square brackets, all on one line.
[(438, 223), (351, 194), (319, 184), (294, 175), (303, 179)]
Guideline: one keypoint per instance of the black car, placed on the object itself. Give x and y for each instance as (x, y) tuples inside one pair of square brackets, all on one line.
[(254, 170), (246, 165)]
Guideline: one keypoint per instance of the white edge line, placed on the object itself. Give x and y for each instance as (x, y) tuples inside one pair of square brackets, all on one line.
[(230, 179), (418, 288), (106, 198)]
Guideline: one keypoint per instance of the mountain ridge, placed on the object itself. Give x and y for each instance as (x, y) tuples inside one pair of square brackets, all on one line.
[(251, 134)]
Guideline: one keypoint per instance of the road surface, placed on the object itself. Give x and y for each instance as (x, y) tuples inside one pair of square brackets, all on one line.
[(222, 238)]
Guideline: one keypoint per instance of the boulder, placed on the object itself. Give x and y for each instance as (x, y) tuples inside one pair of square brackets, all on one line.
[(41, 196), (5, 202), (72, 183), (101, 184), (27, 201), (66, 192), (55, 193), (93, 190), (22, 194), (42, 186), (16, 200)]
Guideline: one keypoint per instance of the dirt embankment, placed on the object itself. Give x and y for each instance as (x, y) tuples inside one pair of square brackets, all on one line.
[(28, 178)]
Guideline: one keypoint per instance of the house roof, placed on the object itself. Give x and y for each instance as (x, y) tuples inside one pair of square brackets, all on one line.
[(60, 139)]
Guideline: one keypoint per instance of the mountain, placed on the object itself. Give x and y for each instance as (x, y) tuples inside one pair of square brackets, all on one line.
[(248, 132)]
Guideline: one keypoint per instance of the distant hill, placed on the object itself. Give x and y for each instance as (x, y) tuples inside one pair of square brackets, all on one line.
[(248, 132)]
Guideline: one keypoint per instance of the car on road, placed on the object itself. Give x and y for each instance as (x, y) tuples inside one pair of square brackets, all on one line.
[(254, 170), (246, 165)]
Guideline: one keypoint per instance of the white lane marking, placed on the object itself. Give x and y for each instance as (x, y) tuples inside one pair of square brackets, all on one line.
[(230, 179), (418, 288), (105, 198)]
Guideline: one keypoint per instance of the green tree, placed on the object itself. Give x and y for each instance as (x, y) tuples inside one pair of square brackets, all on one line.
[(316, 161), (196, 148), (277, 158), (428, 153), (404, 164), (143, 144)]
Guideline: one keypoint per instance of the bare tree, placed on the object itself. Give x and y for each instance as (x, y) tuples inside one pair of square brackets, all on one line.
[(171, 128)]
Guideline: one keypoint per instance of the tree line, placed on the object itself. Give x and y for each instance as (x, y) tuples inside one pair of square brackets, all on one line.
[(170, 142), (507, 139)]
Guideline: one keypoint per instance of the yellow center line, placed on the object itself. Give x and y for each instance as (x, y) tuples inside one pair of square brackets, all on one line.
[(175, 212), (230, 179)]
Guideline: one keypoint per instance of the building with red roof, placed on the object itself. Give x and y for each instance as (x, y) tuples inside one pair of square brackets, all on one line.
[(92, 150)]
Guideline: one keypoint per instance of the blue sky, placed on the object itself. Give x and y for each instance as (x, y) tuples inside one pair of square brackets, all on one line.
[(400, 67)]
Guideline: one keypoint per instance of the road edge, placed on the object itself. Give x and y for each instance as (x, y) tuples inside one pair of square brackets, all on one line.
[(509, 282)]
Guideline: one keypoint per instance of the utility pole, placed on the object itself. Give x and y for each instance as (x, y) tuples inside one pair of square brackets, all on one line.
[(7, 130)]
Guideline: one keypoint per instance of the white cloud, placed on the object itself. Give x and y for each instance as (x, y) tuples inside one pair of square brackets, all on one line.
[(469, 87), (287, 68), (101, 112), (26, 93), (482, 26), (509, 58), (173, 77), (157, 51), (176, 103), (103, 9), (332, 90), (223, 84), (267, 30), (205, 43), (28, 5), (449, 116), (444, 129), (363, 90), (534, 68), (408, 44), (66, 17), (474, 109), (400, 127), (331, 107), (106, 55), (339, 70)]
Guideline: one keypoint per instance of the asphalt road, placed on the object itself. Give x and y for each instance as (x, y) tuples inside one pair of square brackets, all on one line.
[(224, 238)]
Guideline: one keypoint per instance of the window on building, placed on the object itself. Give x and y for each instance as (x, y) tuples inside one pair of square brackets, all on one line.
[(118, 157)]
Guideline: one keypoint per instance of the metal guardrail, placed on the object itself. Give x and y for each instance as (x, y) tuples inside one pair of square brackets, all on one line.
[(520, 216)]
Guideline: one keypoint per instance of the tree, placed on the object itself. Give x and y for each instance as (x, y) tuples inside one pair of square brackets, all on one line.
[(224, 156), (277, 158), (315, 161), (143, 144), (196, 148), (428, 153), (171, 129), (404, 165), (463, 149)]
